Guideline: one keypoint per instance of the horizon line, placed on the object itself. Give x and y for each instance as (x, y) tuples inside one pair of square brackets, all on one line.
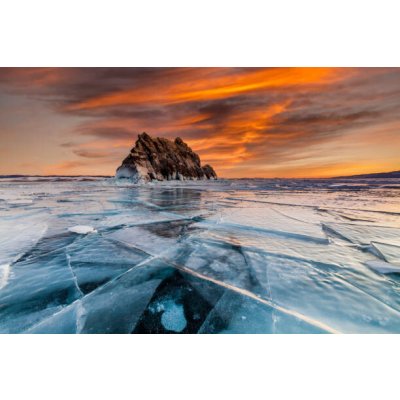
[(112, 176)]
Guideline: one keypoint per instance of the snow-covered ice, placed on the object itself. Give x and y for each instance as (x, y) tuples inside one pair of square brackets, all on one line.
[(93, 255), (82, 229)]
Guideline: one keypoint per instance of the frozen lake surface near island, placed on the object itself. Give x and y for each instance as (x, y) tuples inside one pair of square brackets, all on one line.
[(95, 255)]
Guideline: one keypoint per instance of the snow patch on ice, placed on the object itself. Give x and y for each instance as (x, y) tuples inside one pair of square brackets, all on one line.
[(82, 229)]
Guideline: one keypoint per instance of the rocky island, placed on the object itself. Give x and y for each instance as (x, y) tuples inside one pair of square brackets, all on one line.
[(162, 159)]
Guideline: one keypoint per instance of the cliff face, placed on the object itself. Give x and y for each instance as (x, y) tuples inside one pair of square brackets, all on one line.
[(161, 159)]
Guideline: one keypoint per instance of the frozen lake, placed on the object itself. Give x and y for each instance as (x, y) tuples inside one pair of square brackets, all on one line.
[(87, 255)]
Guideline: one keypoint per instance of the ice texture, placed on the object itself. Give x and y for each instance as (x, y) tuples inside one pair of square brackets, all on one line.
[(97, 255)]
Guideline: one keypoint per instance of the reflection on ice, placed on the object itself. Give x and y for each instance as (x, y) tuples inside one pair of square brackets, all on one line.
[(245, 256)]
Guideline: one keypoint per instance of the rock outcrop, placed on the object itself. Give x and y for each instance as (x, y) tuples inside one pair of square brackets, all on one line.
[(162, 159)]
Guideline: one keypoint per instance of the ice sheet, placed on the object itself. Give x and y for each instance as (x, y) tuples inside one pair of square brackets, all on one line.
[(231, 256)]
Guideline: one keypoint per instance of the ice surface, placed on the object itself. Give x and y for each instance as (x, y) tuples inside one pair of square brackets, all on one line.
[(90, 255), (22, 202), (383, 267), (36, 287), (275, 221), (94, 261), (240, 314), (19, 234), (364, 234), (387, 252), (153, 238)]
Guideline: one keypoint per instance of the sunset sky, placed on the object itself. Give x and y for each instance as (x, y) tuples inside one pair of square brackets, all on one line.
[(246, 122)]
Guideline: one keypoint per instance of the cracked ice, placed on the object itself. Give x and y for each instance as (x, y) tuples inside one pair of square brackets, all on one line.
[(244, 256)]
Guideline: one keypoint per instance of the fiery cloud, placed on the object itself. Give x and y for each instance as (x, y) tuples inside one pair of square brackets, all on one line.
[(262, 122)]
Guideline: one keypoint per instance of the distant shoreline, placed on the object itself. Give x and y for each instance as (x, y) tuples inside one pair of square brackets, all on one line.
[(392, 174)]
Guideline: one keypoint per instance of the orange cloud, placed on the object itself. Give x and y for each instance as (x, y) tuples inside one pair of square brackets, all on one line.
[(262, 122), (217, 87)]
